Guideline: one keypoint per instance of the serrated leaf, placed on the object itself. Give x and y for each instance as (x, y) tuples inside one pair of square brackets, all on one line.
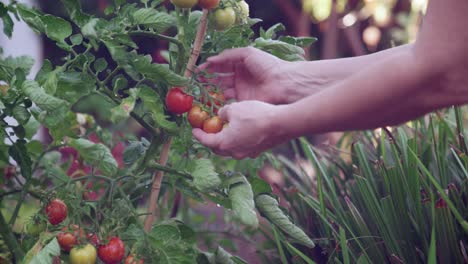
[(74, 85), (204, 176), (21, 114), (100, 65), (133, 152), (56, 28), (73, 8), (133, 232), (280, 49), (270, 209), (298, 41), (7, 24), (46, 254), (76, 39), (152, 103), (19, 153), (162, 234), (242, 200), (96, 154), (41, 99), (158, 21), (157, 72), (223, 257), (32, 17), (122, 112)]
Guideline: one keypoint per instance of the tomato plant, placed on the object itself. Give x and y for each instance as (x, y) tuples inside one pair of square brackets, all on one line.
[(112, 252), (56, 211), (112, 123), (178, 102), (83, 255)]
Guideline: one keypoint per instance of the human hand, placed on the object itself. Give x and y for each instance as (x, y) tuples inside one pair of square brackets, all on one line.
[(247, 74), (251, 130)]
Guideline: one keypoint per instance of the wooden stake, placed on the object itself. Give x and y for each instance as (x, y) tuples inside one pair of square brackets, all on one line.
[(156, 187)]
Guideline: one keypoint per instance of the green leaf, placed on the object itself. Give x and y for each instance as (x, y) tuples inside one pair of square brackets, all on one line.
[(76, 39), (280, 49), (32, 17), (21, 114), (40, 98), (157, 72), (100, 65), (7, 24), (96, 155), (204, 176), (159, 21), (73, 8), (122, 112), (152, 103), (19, 153), (242, 200), (56, 28), (45, 255), (134, 151), (74, 85), (223, 257), (2, 106), (269, 208), (300, 41), (259, 186)]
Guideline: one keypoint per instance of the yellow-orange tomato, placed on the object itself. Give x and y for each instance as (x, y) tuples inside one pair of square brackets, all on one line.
[(213, 125), (197, 116)]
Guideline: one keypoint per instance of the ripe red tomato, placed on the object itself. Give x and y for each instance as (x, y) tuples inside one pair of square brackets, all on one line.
[(184, 3), (197, 116), (83, 255), (208, 4), (178, 102), (131, 260), (56, 211), (113, 252), (213, 125), (67, 240), (224, 18)]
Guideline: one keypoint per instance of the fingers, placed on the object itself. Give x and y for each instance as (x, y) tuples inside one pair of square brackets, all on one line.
[(210, 140), (232, 56), (224, 113)]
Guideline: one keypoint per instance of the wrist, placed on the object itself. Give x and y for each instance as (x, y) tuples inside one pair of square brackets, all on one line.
[(299, 80)]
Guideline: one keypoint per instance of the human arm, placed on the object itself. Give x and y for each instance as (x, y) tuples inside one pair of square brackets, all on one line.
[(430, 75), (251, 74)]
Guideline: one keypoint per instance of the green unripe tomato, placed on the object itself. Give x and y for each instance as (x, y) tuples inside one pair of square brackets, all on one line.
[(35, 227), (184, 3), (83, 255), (224, 18)]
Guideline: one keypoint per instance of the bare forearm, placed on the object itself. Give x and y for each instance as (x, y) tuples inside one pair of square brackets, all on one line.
[(392, 91), (302, 79)]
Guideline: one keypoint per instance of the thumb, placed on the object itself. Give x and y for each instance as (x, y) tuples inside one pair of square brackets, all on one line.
[(225, 113), (209, 140)]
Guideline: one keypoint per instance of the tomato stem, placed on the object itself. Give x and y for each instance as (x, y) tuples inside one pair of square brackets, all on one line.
[(156, 187)]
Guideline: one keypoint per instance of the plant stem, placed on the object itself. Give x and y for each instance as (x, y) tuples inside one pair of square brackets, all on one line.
[(10, 240), (156, 187)]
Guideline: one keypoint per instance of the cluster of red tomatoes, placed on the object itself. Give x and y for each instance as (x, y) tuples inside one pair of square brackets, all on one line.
[(223, 17), (71, 237), (178, 102)]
